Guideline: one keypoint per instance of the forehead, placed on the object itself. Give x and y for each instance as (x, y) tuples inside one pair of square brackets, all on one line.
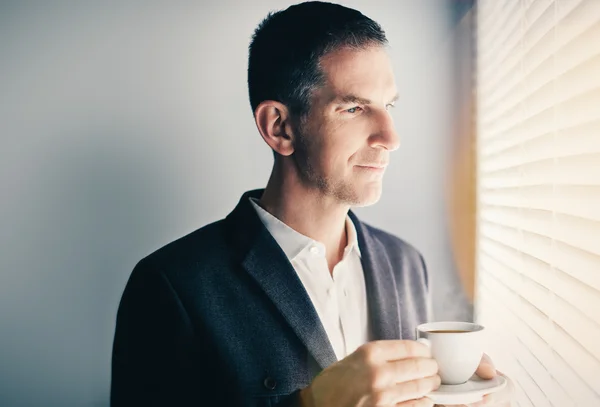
[(364, 72)]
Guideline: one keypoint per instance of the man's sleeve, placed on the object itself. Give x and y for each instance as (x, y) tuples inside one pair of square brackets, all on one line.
[(155, 360), (152, 361), (291, 400)]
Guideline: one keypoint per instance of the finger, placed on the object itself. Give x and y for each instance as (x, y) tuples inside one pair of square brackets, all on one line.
[(486, 401), (414, 389), (422, 402), (486, 369), (387, 350), (458, 405), (492, 399), (400, 371)]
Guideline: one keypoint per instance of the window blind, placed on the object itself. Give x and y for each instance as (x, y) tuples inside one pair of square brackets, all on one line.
[(538, 196)]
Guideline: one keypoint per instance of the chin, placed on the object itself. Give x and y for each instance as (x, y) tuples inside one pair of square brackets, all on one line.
[(367, 196)]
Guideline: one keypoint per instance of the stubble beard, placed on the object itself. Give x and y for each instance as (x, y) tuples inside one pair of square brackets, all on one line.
[(311, 175)]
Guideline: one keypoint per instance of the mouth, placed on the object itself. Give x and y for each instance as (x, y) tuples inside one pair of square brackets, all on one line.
[(377, 166), (372, 167)]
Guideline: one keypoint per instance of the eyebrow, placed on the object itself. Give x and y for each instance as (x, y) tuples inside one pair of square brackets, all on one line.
[(347, 99)]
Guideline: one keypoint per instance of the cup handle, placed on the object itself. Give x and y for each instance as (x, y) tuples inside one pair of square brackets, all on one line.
[(425, 341)]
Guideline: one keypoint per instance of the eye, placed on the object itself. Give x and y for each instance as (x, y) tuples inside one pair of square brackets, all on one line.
[(389, 106), (352, 110)]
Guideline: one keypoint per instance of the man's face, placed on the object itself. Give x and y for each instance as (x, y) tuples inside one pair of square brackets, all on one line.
[(346, 139)]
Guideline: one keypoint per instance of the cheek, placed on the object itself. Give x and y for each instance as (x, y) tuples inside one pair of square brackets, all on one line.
[(334, 148), (347, 142)]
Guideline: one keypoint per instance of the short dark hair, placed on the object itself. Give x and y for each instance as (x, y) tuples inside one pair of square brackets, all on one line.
[(286, 48)]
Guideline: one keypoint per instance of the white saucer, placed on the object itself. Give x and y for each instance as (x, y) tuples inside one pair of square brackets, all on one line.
[(469, 392)]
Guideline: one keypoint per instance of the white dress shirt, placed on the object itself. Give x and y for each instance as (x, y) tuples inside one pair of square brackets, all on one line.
[(340, 298)]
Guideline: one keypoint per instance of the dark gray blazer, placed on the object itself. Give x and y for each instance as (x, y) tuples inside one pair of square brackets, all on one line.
[(220, 318)]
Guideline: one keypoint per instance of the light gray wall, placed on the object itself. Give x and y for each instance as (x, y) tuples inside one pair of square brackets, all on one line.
[(125, 127)]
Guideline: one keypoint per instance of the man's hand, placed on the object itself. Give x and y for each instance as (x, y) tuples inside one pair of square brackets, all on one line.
[(380, 373), (486, 370)]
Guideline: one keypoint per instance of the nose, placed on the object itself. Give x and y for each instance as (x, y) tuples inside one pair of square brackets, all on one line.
[(384, 133)]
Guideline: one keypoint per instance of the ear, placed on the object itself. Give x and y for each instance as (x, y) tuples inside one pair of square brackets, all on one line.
[(274, 123)]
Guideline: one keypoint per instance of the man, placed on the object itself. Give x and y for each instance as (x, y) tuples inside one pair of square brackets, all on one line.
[(291, 300)]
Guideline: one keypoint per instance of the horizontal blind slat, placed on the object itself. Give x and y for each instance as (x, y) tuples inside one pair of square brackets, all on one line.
[(584, 296), (580, 139), (541, 247), (581, 233), (574, 21), (579, 169), (535, 353), (538, 195), (540, 291), (572, 262), (569, 353), (536, 114), (531, 388), (497, 47), (578, 264), (491, 309), (559, 199)]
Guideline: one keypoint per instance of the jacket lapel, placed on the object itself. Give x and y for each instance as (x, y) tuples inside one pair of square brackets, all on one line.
[(382, 295), (268, 265)]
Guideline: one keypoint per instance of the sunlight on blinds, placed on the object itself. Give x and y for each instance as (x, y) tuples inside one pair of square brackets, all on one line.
[(538, 193)]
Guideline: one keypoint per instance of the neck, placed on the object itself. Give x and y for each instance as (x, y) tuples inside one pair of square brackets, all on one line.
[(307, 210)]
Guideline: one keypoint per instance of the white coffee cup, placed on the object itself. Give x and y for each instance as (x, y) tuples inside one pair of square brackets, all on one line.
[(457, 347)]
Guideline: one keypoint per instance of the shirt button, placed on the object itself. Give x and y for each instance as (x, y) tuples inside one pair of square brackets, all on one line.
[(314, 250), (270, 383)]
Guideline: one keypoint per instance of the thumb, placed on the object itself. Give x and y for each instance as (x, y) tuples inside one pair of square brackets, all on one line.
[(486, 369)]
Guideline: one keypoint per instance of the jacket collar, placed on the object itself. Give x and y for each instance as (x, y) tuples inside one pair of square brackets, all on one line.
[(267, 264)]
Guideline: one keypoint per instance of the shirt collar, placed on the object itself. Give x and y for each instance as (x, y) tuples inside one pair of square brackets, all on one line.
[(352, 237), (292, 242)]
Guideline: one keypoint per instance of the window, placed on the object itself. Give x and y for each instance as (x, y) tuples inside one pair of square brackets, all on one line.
[(538, 196)]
